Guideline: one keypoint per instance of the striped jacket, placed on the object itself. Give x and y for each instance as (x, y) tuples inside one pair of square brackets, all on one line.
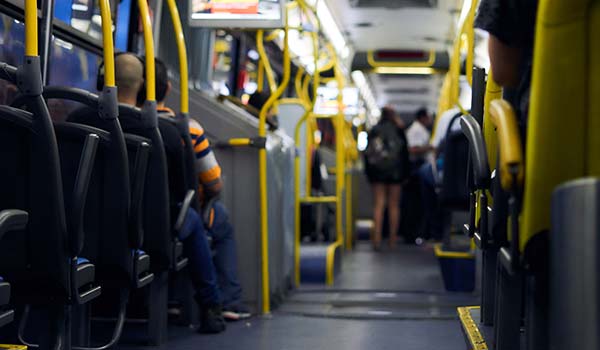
[(207, 167)]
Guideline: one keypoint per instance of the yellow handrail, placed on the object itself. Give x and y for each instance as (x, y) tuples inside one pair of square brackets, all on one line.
[(31, 28), (509, 143), (260, 80), (149, 46), (262, 156), (108, 46), (266, 64), (493, 91), (182, 52), (297, 199)]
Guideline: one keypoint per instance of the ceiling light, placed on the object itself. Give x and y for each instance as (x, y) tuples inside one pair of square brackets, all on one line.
[(406, 70)]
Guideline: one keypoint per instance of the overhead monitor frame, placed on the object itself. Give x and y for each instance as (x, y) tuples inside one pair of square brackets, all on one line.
[(243, 21)]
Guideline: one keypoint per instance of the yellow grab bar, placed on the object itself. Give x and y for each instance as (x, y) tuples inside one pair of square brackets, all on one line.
[(108, 46), (509, 143), (31, 28), (181, 50), (262, 156), (323, 199), (149, 46), (264, 60)]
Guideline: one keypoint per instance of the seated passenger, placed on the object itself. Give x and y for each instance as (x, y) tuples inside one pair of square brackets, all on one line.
[(129, 74), (511, 25), (221, 231), (257, 101)]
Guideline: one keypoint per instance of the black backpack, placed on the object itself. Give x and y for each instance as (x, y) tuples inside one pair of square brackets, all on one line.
[(385, 148)]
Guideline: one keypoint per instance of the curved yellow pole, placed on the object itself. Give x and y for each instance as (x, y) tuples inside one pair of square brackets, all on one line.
[(149, 46), (260, 47), (182, 52), (298, 82), (31, 28), (108, 46), (297, 200), (262, 157), (260, 80)]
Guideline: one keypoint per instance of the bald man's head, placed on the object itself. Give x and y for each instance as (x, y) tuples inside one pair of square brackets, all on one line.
[(129, 74)]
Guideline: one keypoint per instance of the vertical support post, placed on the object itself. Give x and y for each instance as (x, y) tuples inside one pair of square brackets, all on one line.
[(47, 20), (157, 318)]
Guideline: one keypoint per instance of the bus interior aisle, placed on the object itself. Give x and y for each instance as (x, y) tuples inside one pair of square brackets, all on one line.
[(383, 300), (300, 174)]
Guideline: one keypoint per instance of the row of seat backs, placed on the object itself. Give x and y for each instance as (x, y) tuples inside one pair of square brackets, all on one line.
[(563, 133), (36, 258)]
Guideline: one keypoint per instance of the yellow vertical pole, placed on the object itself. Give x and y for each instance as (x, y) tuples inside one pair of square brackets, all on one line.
[(349, 216), (339, 152), (182, 52), (260, 80), (107, 41), (149, 46), (262, 158), (31, 28)]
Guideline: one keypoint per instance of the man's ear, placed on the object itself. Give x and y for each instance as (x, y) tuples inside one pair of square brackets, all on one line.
[(169, 86)]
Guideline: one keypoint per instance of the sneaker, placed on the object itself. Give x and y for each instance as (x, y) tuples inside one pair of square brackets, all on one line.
[(211, 320), (236, 312)]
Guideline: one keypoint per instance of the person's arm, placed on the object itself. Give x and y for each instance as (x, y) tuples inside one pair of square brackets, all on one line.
[(420, 150), (504, 62), (207, 167), (499, 19)]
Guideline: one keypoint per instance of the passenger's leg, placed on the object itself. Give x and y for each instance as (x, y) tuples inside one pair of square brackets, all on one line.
[(429, 200), (378, 211), (202, 272), (226, 264), (394, 191)]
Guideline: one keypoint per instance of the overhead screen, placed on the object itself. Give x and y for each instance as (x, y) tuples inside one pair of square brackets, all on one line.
[(236, 13)]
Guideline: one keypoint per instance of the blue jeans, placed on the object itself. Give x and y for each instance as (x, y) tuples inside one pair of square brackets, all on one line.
[(215, 280)]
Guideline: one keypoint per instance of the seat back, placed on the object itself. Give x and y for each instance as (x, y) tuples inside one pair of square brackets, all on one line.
[(455, 190), (107, 241), (181, 123), (35, 259), (563, 136), (574, 258), (158, 238)]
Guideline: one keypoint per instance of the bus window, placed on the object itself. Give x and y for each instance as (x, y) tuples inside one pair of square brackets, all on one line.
[(84, 16), (248, 76), (12, 38), (223, 61), (73, 66)]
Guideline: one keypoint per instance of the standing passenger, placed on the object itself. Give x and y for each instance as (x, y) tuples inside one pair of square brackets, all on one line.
[(387, 166), (418, 139)]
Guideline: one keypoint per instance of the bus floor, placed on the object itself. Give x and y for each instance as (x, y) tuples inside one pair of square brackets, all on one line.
[(385, 300)]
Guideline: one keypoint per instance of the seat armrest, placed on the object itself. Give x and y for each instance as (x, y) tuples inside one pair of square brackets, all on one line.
[(8, 72), (472, 131), (80, 190), (207, 211), (12, 220), (138, 183), (185, 206)]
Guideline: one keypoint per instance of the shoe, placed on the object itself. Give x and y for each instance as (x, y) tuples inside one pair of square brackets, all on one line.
[(211, 320), (236, 312)]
